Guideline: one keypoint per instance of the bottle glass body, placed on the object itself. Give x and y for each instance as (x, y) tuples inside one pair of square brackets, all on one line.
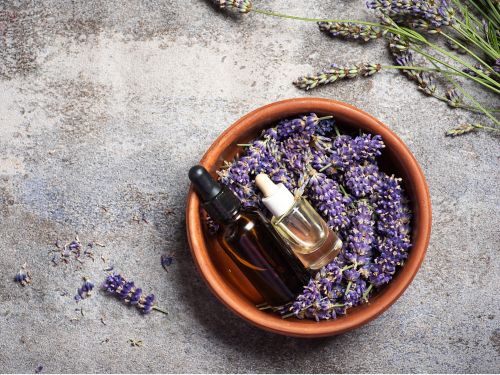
[(305, 231), (264, 258)]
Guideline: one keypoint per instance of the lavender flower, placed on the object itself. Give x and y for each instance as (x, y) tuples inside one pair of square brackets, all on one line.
[(424, 80), (85, 290), (496, 66), (351, 30), (426, 83), (462, 129), (335, 73), (455, 47), (438, 12), (242, 6), (348, 150), (130, 294), (479, 67), (328, 200), (353, 295), (398, 45), (166, 261), (360, 179), (454, 98), (23, 277), (360, 240)]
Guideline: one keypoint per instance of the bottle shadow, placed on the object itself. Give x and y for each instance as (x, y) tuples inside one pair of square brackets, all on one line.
[(224, 326)]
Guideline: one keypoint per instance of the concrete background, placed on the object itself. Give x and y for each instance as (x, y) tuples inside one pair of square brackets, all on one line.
[(103, 107)]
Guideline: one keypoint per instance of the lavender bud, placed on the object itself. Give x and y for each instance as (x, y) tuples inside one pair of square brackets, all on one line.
[(126, 291), (335, 73), (85, 290), (351, 30), (461, 129), (242, 6)]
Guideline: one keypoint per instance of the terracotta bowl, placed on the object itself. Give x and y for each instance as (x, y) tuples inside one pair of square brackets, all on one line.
[(230, 285)]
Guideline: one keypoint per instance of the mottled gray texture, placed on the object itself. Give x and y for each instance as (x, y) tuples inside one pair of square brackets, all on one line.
[(103, 107)]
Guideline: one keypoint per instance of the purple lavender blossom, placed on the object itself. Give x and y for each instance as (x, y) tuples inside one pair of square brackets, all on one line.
[(349, 150), (84, 291), (438, 13), (129, 293), (328, 200), (166, 261), (23, 277), (361, 179), (358, 249)]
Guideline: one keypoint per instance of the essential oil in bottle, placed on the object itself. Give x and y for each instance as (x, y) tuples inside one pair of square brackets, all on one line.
[(250, 240), (299, 225)]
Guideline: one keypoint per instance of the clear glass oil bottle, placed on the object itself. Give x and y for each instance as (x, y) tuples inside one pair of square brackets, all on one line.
[(314, 243), (249, 239), (299, 225)]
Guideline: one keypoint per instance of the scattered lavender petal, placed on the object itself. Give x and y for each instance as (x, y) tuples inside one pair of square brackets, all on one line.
[(166, 261)]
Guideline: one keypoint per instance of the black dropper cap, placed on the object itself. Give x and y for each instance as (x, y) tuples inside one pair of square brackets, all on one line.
[(220, 202)]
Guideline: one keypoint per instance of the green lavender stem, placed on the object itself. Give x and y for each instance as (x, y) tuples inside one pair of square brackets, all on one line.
[(348, 287), (459, 72), (483, 63), (160, 310), (474, 39), (483, 13), (367, 291), (462, 62), (472, 99), (465, 106)]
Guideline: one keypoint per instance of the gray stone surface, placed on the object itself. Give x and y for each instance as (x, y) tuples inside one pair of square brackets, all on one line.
[(103, 107)]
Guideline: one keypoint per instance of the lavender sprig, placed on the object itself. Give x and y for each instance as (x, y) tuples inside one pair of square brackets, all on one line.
[(335, 73), (85, 290), (468, 128), (349, 30), (242, 6), (438, 13), (130, 294)]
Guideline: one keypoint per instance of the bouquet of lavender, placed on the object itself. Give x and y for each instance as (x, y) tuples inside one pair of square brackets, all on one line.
[(426, 38), (339, 175)]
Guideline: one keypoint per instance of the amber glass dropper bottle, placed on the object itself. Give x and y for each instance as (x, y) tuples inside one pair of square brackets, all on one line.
[(249, 239)]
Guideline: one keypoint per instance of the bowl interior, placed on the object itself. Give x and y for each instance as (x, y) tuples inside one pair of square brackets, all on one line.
[(229, 283)]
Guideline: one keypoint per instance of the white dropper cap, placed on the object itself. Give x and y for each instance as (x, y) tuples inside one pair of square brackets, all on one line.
[(277, 198)]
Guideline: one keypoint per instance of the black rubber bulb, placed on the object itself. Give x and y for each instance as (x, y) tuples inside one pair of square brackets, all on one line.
[(206, 187), (220, 202)]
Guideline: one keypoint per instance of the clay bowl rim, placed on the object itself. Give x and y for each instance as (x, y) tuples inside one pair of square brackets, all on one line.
[(363, 314)]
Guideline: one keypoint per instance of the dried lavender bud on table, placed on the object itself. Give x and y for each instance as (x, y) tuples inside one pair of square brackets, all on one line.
[(23, 277), (117, 285), (85, 290)]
